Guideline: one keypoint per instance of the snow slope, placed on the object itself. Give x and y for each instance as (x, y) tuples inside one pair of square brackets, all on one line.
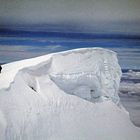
[(64, 96)]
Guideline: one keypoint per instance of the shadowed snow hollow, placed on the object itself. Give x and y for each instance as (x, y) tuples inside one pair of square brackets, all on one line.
[(71, 95)]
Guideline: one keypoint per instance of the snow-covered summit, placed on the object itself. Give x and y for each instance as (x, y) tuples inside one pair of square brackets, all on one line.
[(89, 70), (71, 95)]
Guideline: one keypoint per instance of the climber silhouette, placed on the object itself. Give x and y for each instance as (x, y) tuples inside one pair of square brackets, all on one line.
[(0, 68)]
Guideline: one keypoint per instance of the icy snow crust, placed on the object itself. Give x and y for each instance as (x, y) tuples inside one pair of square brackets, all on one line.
[(87, 73), (64, 96)]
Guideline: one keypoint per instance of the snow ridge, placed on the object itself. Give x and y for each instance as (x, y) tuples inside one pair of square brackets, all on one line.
[(71, 95)]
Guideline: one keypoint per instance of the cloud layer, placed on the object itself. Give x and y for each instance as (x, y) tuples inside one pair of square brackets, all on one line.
[(52, 11)]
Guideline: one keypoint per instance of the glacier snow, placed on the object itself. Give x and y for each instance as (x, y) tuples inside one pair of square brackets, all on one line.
[(70, 95)]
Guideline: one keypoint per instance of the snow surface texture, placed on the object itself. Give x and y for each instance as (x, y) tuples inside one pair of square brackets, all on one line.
[(64, 96)]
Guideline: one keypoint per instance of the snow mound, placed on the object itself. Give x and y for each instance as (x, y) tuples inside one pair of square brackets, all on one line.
[(64, 96), (87, 73)]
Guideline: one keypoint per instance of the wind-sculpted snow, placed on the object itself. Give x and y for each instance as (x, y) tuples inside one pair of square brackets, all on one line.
[(91, 70), (83, 84), (89, 74), (65, 96)]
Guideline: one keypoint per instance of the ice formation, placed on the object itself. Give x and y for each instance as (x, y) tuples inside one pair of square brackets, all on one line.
[(87, 73), (71, 95)]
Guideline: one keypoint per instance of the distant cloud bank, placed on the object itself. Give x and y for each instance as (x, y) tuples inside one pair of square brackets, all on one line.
[(85, 13)]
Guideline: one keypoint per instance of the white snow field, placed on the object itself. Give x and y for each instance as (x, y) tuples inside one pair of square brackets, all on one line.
[(71, 95)]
